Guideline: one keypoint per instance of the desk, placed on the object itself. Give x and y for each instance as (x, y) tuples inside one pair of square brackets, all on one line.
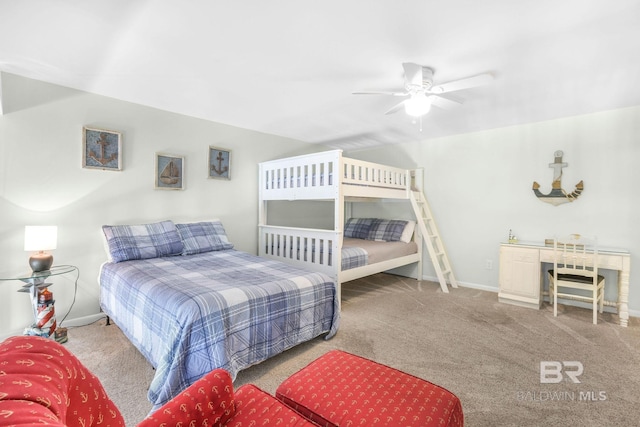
[(521, 281)]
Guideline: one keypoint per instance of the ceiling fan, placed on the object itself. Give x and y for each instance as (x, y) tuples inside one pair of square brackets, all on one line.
[(419, 87)]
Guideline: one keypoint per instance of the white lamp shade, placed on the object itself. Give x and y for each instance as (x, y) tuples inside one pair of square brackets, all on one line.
[(40, 237), (417, 105)]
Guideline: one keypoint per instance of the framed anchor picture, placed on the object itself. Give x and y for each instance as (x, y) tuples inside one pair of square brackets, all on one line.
[(101, 149), (169, 172), (219, 163)]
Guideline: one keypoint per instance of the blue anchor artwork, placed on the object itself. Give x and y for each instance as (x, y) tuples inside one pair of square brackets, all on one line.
[(558, 196)]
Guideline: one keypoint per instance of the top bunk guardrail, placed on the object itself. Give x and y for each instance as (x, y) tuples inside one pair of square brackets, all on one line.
[(327, 175)]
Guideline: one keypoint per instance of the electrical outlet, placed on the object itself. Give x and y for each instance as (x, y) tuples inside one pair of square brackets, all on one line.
[(488, 264)]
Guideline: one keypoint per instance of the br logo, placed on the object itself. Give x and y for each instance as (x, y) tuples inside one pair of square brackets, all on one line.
[(551, 372)]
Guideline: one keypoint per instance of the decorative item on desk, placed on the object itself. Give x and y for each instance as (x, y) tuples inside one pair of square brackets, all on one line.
[(512, 237), (40, 238)]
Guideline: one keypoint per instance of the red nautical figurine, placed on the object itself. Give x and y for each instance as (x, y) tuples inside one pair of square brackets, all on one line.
[(46, 319)]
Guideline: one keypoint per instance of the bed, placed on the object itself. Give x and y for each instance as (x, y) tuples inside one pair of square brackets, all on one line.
[(329, 176), (191, 303)]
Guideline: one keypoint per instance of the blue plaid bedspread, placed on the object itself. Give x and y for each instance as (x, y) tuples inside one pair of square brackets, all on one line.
[(225, 309)]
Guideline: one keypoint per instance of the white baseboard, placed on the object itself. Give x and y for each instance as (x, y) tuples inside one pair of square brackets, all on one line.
[(632, 313), (466, 284), (83, 321)]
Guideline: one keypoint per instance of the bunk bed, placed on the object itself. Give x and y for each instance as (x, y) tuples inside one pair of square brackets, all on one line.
[(330, 176)]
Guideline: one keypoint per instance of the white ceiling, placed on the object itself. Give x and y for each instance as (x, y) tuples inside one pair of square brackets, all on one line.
[(289, 67)]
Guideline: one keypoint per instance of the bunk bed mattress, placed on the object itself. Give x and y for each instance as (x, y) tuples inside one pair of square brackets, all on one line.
[(225, 309), (378, 251), (360, 252)]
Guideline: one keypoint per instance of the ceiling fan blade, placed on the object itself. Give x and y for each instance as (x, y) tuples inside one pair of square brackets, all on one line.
[(467, 83), (412, 73), (396, 108), (445, 103), (381, 93)]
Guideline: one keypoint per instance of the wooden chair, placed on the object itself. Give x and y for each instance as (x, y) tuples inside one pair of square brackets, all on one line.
[(575, 267)]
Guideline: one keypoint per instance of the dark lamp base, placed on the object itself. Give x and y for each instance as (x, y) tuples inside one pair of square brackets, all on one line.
[(40, 262)]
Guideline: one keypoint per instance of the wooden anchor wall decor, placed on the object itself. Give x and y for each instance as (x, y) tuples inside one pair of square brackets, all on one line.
[(558, 196)]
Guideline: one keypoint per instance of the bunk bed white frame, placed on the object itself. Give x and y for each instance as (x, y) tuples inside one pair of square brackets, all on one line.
[(329, 176)]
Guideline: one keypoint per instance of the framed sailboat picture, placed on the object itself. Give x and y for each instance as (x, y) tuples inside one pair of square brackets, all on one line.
[(169, 172), (101, 149), (219, 163)]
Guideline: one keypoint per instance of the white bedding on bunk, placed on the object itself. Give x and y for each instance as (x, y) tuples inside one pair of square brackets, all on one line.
[(381, 251)]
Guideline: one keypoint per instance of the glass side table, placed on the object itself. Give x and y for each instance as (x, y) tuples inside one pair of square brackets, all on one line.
[(36, 284)]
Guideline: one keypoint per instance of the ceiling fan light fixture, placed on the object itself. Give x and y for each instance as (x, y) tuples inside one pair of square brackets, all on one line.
[(418, 105)]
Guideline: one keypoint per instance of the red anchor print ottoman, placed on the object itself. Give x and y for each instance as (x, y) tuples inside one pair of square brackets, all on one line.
[(211, 401), (342, 389)]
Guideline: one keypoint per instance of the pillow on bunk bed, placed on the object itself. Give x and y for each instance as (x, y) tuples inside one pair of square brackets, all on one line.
[(381, 230), (387, 230), (358, 228), (407, 234), (130, 242), (199, 237)]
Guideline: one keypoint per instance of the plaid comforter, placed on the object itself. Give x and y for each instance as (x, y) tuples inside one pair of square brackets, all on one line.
[(353, 257), (225, 309)]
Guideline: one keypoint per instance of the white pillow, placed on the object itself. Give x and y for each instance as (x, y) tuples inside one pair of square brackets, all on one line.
[(105, 245), (408, 231)]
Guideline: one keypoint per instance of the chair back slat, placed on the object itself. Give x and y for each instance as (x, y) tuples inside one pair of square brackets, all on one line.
[(575, 272), (577, 255)]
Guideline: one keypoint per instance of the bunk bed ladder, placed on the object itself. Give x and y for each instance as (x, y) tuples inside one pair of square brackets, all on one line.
[(432, 240)]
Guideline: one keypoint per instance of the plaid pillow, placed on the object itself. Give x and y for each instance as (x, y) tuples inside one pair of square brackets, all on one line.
[(129, 242), (201, 237), (357, 228), (387, 230)]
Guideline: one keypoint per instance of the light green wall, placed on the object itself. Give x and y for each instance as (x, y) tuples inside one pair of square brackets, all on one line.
[(42, 182), (479, 186)]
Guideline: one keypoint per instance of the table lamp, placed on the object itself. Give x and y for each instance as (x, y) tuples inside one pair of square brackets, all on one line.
[(40, 238)]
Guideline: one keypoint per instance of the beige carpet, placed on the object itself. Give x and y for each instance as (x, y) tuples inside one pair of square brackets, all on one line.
[(485, 352)]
